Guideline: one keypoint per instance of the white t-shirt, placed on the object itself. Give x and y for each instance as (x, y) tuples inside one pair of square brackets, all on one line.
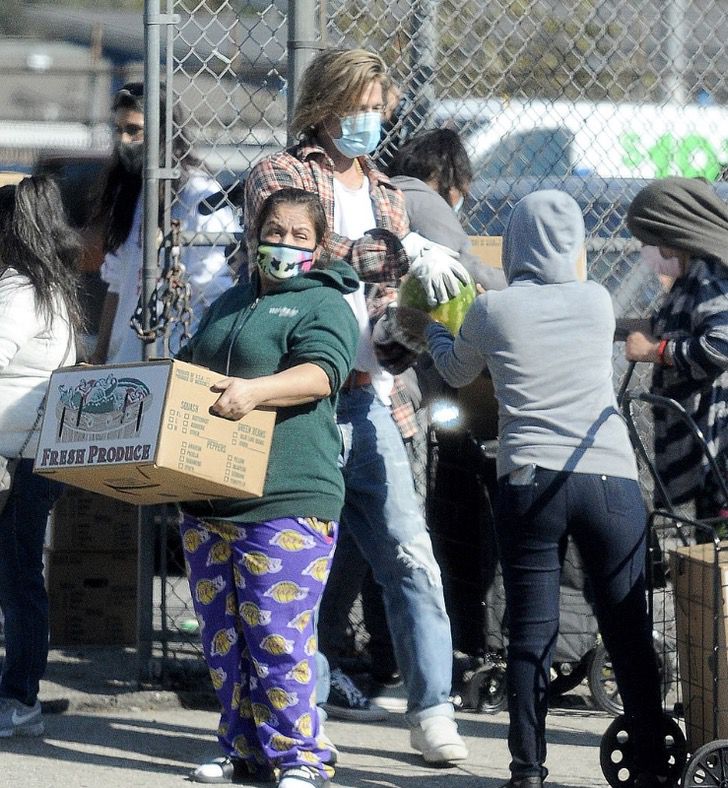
[(353, 217), (205, 267)]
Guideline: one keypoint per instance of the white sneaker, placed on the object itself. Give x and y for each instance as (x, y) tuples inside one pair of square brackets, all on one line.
[(438, 740), (301, 777)]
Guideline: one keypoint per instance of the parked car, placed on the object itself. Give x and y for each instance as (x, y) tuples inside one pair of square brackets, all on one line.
[(609, 139)]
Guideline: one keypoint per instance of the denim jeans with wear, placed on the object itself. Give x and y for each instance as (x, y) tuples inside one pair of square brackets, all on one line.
[(382, 514), (23, 596), (606, 518)]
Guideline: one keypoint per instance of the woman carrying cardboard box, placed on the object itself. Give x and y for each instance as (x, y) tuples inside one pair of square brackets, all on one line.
[(257, 567)]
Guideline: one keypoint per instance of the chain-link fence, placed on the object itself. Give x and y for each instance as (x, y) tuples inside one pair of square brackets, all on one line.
[(592, 97)]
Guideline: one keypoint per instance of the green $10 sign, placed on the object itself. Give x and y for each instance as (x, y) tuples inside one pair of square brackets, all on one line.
[(690, 156)]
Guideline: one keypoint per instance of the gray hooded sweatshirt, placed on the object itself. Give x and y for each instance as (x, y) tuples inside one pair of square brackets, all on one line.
[(547, 343)]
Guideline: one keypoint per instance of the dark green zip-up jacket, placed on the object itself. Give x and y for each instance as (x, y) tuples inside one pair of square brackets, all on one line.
[(246, 335)]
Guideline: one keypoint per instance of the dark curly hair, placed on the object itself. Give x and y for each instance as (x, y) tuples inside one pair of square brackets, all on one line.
[(437, 155)]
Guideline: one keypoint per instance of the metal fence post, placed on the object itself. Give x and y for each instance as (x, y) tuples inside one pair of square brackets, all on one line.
[(145, 566), (424, 51), (302, 45)]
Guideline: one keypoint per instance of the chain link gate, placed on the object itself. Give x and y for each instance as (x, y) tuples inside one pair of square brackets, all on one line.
[(593, 97)]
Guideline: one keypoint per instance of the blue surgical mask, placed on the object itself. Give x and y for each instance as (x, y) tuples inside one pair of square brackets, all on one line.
[(359, 134)]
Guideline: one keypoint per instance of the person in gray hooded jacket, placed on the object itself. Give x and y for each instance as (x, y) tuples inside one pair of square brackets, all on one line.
[(565, 466)]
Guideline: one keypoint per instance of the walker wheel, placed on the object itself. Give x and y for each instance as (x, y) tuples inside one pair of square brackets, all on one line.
[(708, 766), (603, 684), (617, 758), (486, 690), (568, 675)]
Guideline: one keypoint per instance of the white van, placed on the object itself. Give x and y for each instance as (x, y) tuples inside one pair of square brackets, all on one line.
[(539, 138)]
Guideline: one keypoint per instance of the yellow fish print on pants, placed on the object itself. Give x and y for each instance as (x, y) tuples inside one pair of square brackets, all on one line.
[(318, 569), (262, 715), (218, 676), (280, 699), (253, 615), (260, 564), (193, 539), (300, 672), (223, 641), (219, 553), (311, 646), (286, 591), (304, 725), (281, 743), (206, 590), (301, 621), (246, 708), (292, 541), (276, 644)]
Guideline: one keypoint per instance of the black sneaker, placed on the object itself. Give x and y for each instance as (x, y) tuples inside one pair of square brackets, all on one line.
[(347, 702), (524, 782)]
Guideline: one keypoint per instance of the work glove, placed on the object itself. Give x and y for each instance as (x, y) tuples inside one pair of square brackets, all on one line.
[(436, 267)]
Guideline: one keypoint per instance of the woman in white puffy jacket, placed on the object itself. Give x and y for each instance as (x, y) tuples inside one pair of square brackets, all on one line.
[(39, 319)]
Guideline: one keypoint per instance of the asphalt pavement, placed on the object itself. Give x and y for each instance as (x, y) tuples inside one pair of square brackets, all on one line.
[(103, 732)]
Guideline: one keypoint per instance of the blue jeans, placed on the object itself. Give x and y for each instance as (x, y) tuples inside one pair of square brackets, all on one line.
[(382, 514), (23, 597), (606, 518)]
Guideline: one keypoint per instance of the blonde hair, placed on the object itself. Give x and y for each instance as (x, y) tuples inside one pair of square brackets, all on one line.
[(333, 83)]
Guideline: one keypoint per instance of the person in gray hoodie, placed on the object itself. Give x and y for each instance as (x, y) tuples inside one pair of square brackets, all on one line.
[(565, 466), (433, 171)]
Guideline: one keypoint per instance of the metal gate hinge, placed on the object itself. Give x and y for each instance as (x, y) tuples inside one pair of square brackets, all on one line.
[(162, 19), (164, 173)]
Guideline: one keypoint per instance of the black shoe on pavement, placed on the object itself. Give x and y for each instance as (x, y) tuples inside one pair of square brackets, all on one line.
[(532, 781), (347, 702)]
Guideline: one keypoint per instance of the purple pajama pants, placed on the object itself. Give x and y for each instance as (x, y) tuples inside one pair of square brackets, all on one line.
[(256, 589)]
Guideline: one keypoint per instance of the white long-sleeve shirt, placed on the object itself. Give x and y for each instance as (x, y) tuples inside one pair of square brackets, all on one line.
[(206, 270), (31, 347)]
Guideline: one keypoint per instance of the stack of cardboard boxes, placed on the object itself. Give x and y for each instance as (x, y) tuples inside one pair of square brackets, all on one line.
[(91, 564)]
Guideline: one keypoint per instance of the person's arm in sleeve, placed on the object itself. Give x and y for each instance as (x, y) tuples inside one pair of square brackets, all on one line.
[(704, 354), (321, 356), (460, 359), (378, 256), (18, 320)]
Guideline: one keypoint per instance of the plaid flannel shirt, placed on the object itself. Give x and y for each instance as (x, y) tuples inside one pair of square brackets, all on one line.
[(378, 257)]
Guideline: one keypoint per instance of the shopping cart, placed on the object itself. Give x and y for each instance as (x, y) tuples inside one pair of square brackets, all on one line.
[(688, 604)]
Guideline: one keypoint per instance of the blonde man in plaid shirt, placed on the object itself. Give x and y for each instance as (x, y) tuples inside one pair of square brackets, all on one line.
[(337, 121)]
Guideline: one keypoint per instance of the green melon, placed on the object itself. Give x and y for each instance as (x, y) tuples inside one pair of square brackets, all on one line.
[(451, 314)]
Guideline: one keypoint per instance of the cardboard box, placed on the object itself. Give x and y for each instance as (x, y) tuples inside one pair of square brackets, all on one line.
[(84, 521), (143, 433), (93, 598), (697, 612), (489, 249)]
